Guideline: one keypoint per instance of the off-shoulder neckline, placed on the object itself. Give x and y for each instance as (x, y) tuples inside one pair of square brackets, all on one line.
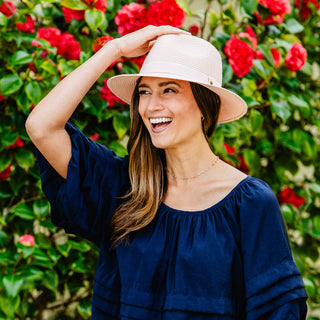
[(169, 209)]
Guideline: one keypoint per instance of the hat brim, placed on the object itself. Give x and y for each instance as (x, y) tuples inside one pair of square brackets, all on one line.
[(232, 106)]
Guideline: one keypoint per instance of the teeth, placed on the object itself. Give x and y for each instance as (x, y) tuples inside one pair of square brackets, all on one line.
[(160, 120)]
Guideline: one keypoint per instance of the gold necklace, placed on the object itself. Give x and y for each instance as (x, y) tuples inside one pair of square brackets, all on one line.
[(198, 174)]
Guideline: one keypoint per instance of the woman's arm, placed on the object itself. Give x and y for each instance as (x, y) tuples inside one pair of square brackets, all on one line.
[(46, 123)]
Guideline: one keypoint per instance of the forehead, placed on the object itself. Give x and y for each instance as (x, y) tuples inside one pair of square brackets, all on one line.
[(157, 81)]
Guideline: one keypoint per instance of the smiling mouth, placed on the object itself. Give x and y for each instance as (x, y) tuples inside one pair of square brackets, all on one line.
[(159, 122)]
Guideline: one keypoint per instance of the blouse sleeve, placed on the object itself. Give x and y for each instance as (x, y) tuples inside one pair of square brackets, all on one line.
[(294, 310), (271, 277), (83, 203)]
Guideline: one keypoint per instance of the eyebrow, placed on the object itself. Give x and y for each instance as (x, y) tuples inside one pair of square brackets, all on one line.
[(161, 84)]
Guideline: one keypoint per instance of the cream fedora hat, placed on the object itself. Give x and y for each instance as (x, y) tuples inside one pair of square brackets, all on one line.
[(183, 57)]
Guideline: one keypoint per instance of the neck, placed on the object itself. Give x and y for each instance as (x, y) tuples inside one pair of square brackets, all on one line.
[(186, 163)]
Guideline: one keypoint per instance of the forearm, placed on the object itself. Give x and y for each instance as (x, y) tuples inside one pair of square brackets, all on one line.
[(56, 108)]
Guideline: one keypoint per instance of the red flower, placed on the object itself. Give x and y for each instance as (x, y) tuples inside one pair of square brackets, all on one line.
[(194, 29), (250, 35), (1, 97), (69, 14), (259, 55), (27, 240), (278, 9), (138, 60), (94, 137), (305, 7), (166, 12), (72, 14), (277, 6), (17, 144), (68, 47), (240, 56), (243, 165), (100, 42), (276, 56), (107, 95), (27, 26), (101, 5), (287, 195), (230, 150), (131, 17), (8, 8), (5, 174), (66, 44), (296, 57), (52, 35)]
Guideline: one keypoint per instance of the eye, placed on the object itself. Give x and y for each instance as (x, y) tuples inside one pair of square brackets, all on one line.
[(169, 90), (143, 92)]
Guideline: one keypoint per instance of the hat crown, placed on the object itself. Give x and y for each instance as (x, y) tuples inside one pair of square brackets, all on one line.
[(185, 54)]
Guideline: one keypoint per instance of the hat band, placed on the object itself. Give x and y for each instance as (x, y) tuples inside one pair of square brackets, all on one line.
[(178, 71)]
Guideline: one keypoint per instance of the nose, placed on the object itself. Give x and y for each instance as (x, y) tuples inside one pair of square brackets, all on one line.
[(155, 102)]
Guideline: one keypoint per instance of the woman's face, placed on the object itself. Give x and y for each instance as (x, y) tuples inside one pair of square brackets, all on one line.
[(169, 112)]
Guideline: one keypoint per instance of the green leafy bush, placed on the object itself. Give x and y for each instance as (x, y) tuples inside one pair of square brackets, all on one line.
[(270, 59)]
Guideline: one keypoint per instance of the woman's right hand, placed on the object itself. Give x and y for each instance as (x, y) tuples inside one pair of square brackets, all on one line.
[(140, 42)]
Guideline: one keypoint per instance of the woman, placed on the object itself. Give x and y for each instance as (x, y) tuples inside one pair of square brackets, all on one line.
[(182, 234)]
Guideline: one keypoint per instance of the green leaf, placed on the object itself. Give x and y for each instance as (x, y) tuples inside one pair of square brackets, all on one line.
[(8, 138), (33, 273), (84, 308), (3, 239), (66, 67), (74, 4), (25, 158), (288, 213), (3, 20), (118, 148), (297, 101), (9, 305), (10, 84), (47, 66), (316, 224), (294, 26), (310, 286), (265, 147), (249, 6), (94, 18), (50, 280), (256, 120), (24, 212), (33, 91), (79, 246), (41, 208), (79, 266), (64, 249), (213, 20), (252, 159), (227, 73), (12, 285), (184, 4), (20, 57), (120, 124), (5, 159), (39, 255), (23, 102), (261, 68), (249, 86), (281, 109), (315, 187)]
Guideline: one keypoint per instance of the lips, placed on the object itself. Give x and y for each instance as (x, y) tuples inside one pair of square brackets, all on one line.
[(160, 124)]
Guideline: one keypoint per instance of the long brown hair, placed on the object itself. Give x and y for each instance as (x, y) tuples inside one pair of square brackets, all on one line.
[(147, 167)]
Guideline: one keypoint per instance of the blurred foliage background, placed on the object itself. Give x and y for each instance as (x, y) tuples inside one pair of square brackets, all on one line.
[(270, 51)]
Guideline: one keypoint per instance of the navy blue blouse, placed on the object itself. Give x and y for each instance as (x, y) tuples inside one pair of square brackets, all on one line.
[(230, 261)]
